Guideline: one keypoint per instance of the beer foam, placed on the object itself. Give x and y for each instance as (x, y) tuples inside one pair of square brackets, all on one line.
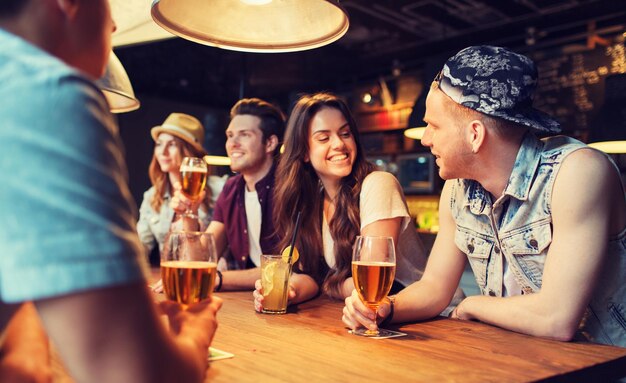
[(374, 263), (187, 168), (189, 264)]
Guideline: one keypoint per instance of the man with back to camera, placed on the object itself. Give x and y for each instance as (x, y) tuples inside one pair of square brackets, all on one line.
[(542, 222), (242, 217), (67, 228)]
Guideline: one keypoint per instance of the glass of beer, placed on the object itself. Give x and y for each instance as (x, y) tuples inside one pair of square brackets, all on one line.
[(275, 272), (188, 265), (373, 272), (193, 176)]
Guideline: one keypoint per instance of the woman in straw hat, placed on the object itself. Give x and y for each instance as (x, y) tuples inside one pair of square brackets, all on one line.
[(180, 135)]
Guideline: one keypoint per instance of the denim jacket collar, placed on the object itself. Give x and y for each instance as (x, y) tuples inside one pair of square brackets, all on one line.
[(525, 167), (520, 181)]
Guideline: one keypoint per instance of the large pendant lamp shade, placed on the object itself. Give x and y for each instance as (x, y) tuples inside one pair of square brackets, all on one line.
[(254, 25), (116, 87), (134, 23)]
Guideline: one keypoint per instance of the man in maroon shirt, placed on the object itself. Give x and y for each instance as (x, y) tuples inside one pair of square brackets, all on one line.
[(242, 218)]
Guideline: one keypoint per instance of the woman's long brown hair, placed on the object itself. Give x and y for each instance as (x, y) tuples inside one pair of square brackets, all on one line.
[(298, 188), (161, 181)]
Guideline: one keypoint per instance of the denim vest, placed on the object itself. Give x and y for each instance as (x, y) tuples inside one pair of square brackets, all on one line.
[(518, 227)]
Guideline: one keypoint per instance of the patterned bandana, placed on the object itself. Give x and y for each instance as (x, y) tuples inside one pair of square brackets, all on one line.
[(496, 82)]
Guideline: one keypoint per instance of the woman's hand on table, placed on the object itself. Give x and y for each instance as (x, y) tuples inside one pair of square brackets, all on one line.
[(356, 314), (257, 294)]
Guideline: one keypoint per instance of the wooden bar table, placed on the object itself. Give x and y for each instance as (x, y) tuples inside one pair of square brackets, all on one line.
[(310, 344)]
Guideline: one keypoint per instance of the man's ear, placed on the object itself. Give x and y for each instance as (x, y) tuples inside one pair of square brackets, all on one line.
[(271, 144), (476, 135), (68, 7)]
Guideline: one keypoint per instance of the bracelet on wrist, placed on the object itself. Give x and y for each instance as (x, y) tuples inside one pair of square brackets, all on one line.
[(219, 284), (389, 318)]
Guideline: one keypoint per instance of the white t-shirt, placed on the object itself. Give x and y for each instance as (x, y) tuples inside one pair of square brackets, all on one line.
[(510, 285), (382, 198), (253, 218)]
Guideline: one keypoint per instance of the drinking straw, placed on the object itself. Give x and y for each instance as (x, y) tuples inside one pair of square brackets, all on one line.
[(293, 237)]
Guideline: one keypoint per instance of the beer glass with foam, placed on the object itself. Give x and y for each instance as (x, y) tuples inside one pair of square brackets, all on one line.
[(193, 176), (188, 266), (373, 272)]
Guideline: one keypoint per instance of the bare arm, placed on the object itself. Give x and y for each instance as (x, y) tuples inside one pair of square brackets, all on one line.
[(237, 280), (304, 287), (385, 228), (581, 227), (115, 334), (427, 297), (218, 230)]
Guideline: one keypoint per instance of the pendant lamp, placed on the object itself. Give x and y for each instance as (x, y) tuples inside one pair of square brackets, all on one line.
[(134, 23), (417, 126), (415, 133), (217, 160), (116, 87), (254, 25)]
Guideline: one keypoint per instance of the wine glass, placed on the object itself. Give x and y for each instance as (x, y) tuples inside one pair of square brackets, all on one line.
[(193, 175), (373, 272), (188, 266)]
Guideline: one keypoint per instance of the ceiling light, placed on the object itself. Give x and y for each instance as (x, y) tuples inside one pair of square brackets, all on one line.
[(415, 133), (217, 160), (117, 88), (134, 25), (275, 26), (367, 98), (611, 147)]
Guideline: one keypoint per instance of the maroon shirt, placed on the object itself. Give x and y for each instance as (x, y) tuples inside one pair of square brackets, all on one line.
[(230, 209)]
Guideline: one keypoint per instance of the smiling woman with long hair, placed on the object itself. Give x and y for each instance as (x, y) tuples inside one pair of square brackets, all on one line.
[(323, 173)]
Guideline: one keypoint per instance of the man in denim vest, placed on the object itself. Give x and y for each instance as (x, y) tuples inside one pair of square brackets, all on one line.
[(542, 222)]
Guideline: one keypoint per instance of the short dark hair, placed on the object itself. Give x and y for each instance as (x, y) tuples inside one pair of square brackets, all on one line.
[(11, 7), (272, 118)]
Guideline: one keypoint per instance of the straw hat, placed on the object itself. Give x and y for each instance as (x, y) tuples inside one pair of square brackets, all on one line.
[(183, 126)]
